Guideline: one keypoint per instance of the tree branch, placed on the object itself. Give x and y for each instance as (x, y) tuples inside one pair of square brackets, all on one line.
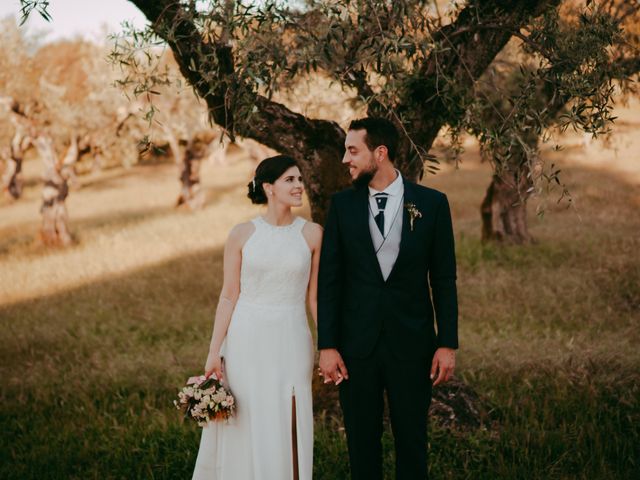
[(311, 142), (467, 50), (191, 53)]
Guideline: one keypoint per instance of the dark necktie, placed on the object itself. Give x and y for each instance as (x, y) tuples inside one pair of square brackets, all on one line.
[(381, 201)]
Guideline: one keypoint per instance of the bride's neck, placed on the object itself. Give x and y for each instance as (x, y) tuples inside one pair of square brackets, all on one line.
[(278, 214)]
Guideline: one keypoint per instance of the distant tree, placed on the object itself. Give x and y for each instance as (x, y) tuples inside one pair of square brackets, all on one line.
[(196, 151), (183, 129), (58, 98), (15, 129), (14, 154), (54, 100), (50, 104), (57, 172)]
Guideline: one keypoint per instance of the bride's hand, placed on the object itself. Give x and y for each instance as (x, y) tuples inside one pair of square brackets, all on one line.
[(214, 365)]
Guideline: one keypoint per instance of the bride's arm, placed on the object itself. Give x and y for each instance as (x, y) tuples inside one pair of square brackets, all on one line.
[(228, 295), (313, 234)]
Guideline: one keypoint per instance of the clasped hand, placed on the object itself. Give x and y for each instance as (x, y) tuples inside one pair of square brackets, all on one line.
[(331, 366)]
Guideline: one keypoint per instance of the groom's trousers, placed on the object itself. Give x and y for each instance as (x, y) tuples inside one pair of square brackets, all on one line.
[(408, 389)]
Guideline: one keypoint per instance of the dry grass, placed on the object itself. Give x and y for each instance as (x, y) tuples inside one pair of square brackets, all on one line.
[(123, 220), (97, 337)]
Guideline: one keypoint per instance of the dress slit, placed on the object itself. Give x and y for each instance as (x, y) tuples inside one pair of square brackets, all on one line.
[(294, 436)]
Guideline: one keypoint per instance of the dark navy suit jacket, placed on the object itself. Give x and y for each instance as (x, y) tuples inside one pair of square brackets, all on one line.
[(356, 305)]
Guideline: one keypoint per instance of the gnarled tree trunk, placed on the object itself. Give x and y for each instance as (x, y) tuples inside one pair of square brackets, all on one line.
[(54, 230), (504, 209), (88, 146), (191, 193), (21, 141), (11, 178)]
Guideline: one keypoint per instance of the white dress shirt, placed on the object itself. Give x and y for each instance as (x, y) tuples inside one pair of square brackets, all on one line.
[(395, 192)]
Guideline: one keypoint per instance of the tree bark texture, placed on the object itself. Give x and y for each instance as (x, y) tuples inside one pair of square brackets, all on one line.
[(55, 230), (504, 208)]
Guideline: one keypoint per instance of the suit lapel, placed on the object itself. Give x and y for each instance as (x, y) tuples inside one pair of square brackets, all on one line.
[(406, 238), (362, 226)]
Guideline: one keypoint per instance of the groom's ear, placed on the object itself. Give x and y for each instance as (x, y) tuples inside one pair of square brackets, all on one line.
[(382, 152)]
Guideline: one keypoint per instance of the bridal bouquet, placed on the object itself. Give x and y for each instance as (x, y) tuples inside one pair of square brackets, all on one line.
[(205, 399)]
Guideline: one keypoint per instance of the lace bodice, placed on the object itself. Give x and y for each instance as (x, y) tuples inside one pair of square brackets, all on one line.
[(276, 263)]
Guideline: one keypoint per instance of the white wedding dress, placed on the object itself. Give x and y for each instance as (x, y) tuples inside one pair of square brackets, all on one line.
[(268, 354)]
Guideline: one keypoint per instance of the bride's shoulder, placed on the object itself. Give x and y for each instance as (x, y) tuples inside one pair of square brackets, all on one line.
[(313, 227), (312, 232), (240, 233)]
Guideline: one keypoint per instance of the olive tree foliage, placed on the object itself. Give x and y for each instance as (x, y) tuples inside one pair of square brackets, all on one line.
[(574, 62), (61, 90), (410, 61)]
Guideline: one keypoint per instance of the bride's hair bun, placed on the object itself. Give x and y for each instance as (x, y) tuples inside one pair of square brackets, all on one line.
[(256, 192), (268, 171)]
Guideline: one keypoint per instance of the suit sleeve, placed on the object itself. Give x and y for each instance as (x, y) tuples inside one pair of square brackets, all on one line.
[(442, 277), (330, 282)]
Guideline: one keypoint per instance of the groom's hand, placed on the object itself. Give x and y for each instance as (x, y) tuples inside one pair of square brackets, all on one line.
[(332, 367), (444, 362)]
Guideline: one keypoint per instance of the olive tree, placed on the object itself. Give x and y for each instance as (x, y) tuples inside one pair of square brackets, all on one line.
[(404, 60), (416, 62), (574, 62)]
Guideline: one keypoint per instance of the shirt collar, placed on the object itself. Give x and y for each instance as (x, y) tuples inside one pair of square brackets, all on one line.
[(393, 189)]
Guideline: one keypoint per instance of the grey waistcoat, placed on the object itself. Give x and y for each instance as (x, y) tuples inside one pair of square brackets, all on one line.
[(387, 249)]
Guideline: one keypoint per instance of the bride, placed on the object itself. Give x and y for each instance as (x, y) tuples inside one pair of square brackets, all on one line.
[(261, 345)]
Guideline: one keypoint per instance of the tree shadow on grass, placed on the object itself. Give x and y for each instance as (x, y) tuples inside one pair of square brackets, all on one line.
[(111, 352)]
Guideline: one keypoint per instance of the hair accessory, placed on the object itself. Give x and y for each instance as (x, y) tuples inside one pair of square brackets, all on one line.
[(253, 183)]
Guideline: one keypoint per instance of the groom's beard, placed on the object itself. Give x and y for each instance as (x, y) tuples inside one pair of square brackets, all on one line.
[(365, 177)]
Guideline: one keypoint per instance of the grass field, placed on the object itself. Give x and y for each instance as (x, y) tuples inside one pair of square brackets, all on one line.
[(97, 338)]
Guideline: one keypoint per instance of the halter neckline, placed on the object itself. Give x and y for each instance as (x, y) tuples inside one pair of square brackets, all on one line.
[(263, 220)]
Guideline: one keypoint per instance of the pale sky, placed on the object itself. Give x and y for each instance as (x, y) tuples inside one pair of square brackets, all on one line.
[(71, 18)]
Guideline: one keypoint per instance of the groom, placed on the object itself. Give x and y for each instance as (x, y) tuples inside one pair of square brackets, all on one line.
[(387, 269)]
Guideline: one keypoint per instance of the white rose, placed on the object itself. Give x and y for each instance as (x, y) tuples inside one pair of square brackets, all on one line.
[(219, 397)]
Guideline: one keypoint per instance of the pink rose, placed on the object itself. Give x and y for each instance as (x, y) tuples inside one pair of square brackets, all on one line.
[(196, 380)]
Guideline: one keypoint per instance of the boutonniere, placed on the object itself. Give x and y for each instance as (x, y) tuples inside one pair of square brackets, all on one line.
[(413, 213)]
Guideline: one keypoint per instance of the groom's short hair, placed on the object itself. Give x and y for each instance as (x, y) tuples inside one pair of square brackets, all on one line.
[(380, 131)]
